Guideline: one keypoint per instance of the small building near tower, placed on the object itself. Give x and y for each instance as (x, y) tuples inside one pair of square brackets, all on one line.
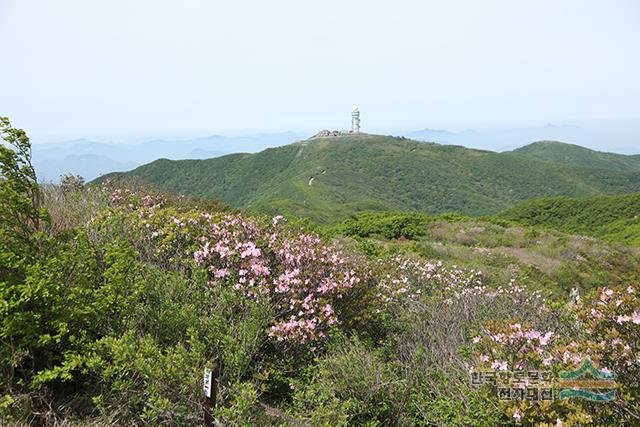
[(355, 119)]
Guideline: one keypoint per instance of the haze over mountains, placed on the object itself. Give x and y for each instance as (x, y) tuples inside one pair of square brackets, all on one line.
[(499, 140), (91, 159), (619, 136), (327, 179)]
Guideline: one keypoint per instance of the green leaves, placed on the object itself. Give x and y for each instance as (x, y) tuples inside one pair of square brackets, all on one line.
[(19, 190), (612, 218), (20, 213), (387, 225)]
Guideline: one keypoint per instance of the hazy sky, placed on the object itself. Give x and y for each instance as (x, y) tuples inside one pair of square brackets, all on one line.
[(202, 66)]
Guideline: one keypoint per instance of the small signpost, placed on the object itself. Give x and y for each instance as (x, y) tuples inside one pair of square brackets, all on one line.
[(206, 384), (210, 387)]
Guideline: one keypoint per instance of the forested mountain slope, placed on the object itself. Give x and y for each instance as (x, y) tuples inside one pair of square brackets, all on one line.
[(329, 178)]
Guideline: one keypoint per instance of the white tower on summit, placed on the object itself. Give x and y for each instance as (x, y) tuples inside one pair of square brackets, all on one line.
[(355, 119)]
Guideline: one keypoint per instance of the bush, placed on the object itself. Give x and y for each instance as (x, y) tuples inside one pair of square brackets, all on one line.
[(352, 385), (387, 225)]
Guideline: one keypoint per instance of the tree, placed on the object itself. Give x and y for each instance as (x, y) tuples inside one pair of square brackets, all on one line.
[(20, 201), (20, 220)]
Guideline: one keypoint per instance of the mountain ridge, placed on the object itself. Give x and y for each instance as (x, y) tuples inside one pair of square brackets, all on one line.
[(329, 178), (576, 155)]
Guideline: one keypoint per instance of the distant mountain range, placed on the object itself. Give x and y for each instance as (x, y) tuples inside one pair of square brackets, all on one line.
[(330, 178), (619, 136), (92, 159), (499, 140)]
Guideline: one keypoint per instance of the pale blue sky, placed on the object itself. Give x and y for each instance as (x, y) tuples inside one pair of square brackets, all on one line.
[(87, 67)]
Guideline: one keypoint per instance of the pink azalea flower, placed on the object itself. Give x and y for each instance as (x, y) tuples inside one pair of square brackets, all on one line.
[(622, 319), (544, 340), (500, 365), (517, 416), (222, 272)]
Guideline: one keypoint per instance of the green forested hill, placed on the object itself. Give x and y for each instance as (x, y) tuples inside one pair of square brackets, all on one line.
[(574, 155), (613, 218), (327, 179)]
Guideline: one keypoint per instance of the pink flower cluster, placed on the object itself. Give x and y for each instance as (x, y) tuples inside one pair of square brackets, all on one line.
[(611, 320), (296, 272), (513, 347), (608, 300)]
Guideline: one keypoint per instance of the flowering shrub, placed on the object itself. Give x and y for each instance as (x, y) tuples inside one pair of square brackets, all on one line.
[(521, 347), (604, 329), (611, 321), (295, 272), (407, 278)]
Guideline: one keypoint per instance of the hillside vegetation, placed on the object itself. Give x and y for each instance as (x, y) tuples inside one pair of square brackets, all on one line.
[(545, 259), (612, 218), (327, 179), (113, 301)]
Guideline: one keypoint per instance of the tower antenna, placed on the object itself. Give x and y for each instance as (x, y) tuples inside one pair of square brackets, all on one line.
[(355, 119)]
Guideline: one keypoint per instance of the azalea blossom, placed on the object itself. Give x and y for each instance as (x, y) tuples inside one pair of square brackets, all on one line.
[(297, 272), (517, 416), (622, 319), (500, 365)]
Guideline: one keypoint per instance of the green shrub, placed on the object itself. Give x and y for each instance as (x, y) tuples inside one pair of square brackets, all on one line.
[(387, 225), (352, 385)]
